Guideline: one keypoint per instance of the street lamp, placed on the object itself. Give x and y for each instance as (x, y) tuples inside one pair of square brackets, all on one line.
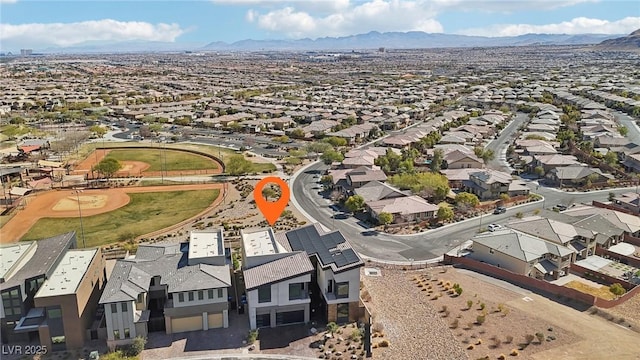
[(77, 192)]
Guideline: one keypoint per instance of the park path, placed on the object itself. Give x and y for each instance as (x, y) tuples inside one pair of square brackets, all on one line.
[(39, 205)]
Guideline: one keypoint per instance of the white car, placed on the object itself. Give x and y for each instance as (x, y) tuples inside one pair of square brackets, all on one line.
[(494, 227)]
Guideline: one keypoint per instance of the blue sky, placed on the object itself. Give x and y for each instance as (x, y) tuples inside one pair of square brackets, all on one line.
[(40, 24)]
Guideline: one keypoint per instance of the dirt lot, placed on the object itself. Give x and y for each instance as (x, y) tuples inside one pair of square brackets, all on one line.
[(414, 322)]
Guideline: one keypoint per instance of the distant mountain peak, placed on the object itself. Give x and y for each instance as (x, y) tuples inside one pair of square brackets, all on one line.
[(629, 42)]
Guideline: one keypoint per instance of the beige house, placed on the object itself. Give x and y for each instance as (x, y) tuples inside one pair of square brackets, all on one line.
[(523, 254)]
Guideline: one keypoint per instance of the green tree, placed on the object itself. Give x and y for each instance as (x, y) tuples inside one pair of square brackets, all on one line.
[(269, 192), (354, 203), (107, 167), (237, 165), (428, 185), (445, 213), (467, 199), (282, 139), (98, 130), (623, 130), (611, 158), (436, 160), (384, 218), (319, 147), (331, 156), (297, 133), (539, 170), (336, 141)]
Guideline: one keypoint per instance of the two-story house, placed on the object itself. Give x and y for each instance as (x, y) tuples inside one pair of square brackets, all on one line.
[(169, 287), (276, 280), (49, 292), (294, 276), (488, 184), (523, 254)]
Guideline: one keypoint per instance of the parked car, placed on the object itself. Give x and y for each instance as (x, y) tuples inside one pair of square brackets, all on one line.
[(494, 227), (560, 207), (500, 210)]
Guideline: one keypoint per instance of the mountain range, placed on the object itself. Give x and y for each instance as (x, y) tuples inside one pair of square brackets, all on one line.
[(408, 40), (371, 40)]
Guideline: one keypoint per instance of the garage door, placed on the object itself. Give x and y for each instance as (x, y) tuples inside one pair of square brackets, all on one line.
[(215, 321), (179, 325), (290, 317)]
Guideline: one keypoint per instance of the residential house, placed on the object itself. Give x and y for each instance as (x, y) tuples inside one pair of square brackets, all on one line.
[(523, 254), (299, 274), (277, 280), (169, 287), (576, 175), (582, 241), (628, 201), (488, 184), (408, 209), (457, 159), (548, 162), (49, 292), (376, 190)]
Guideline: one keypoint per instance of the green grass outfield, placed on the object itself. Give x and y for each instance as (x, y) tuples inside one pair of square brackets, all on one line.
[(145, 213), (167, 160)]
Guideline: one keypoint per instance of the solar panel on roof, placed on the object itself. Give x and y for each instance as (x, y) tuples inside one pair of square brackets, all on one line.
[(323, 246)]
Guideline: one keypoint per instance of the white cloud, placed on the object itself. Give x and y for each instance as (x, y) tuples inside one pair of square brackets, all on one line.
[(380, 15), (8, 1), (67, 34), (580, 25)]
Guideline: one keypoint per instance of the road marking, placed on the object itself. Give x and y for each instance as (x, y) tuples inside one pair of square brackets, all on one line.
[(527, 299)]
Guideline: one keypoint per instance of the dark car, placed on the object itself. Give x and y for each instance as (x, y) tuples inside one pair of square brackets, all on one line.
[(500, 210)]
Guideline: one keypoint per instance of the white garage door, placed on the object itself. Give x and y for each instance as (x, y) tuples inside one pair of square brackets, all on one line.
[(192, 323)]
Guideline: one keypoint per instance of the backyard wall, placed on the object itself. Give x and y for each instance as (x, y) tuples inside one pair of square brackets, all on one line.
[(620, 258), (631, 239), (541, 285)]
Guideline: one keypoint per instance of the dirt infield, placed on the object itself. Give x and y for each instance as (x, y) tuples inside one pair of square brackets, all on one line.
[(136, 168), (64, 203)]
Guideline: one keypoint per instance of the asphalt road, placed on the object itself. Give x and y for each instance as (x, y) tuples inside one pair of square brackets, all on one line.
[(500, 145)]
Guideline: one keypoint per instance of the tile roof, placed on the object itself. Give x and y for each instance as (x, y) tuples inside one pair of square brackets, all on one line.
[(296, 264), (131, 277), (520, 245)]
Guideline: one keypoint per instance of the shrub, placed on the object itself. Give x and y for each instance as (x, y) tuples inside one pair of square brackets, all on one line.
[(482, 306), (617, 289), (514, 352), (458, 291), (479, 342), (446, 313), (444, 308), (455, 324), (384, 343), (540, 337), (252, 337), (502, 357), (519, 215), (332, 327), (469, 304), (480, 319), (470, 347)]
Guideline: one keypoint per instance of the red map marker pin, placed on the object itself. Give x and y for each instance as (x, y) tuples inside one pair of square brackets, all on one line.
[(271, 209)]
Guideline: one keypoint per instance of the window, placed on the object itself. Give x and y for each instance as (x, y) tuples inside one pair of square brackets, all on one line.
[(220, 294), (264, 294), (54, 313), (123, 306), (296, 291), (330, 287), (140, 298), (114, 308), (200, 294), (190, 295), (181, 297), (342, 315), (127, 333), (116, 334), (210, 293), (342, 290)]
